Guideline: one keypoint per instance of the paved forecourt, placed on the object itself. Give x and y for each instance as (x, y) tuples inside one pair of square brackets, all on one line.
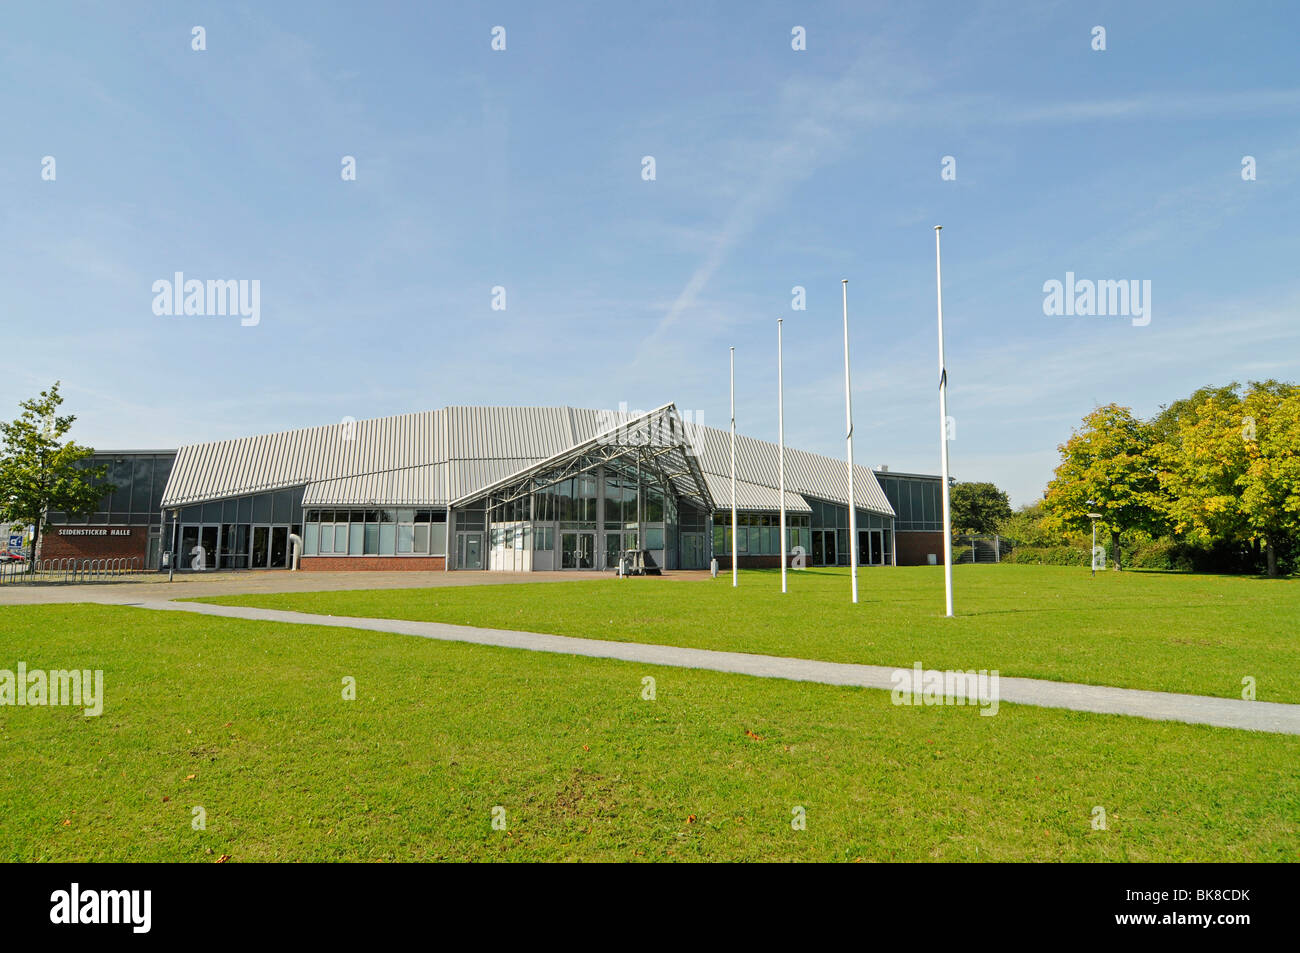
[(154, 586)]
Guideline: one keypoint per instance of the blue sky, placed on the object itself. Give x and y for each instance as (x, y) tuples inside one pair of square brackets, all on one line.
[(523, 169)]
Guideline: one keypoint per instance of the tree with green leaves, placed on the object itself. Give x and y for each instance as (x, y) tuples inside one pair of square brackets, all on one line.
[(1107, 467), (978, 507), (1026, 527), (1231, 468), (41, 471)]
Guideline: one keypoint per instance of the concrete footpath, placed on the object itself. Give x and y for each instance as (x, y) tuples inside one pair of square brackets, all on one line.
[(1161, 706)]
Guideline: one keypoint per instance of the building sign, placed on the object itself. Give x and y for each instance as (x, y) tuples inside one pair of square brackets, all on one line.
[(97, 531)]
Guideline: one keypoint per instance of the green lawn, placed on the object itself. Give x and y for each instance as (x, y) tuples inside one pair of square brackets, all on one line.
[(247, 720), (1172, 632)]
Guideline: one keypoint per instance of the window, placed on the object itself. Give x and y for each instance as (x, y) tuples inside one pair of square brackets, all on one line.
[(544, 538), (438, 538), (469, 519), (356, 535), (586, 501), (654, 538), (654, 505)]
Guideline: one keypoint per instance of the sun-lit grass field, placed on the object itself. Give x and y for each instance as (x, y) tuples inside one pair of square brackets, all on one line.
[(1165, 631), (247, 720)]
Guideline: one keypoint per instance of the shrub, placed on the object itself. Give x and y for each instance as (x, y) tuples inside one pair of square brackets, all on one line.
[(1049, 556)]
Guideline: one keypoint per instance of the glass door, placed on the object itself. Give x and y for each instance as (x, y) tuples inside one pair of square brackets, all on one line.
[(692, 550), (185, 555), (469, 550), (208, 542), (823, 547), (279, 547), (577, 550), (261, 547)]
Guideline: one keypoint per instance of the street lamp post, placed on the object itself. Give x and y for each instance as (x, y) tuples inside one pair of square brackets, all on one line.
[(1093, 557), (171, 562)]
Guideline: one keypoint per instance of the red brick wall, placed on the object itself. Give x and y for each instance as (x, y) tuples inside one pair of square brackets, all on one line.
[(363, 563), (64, 542), (913, 548)]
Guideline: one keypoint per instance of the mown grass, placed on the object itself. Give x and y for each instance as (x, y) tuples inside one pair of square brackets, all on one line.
[(248, 720), (1170, 632)]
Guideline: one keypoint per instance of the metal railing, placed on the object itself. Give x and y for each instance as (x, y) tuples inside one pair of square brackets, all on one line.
[(981, 549), (69, 570)]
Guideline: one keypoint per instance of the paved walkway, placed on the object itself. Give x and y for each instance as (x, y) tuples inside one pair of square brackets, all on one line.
[(194, 585), (1162, 706)]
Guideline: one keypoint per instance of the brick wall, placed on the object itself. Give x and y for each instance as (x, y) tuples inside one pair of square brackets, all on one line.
[(364, 563), (913, 548), (75, 542)]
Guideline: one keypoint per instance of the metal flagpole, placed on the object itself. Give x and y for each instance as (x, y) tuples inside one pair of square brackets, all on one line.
[(780, 436), (735, 569), (943, 433), (848, 413)]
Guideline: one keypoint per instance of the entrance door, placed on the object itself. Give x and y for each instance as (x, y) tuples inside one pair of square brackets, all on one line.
[(208, 540), (577, 550), (261, 547), (613, 549), (692, 550), (469, 550), (279, 547), (823, 547), (877, 547), (185, 556)]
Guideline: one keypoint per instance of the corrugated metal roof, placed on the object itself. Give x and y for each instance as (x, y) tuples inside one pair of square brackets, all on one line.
[(223, 468), (752, 496), (809, 474), (436, 456), (410, 486)]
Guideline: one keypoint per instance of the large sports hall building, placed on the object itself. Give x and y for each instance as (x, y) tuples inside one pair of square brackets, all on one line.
[(495, 488)]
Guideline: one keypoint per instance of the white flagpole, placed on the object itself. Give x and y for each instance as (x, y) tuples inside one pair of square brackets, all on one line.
[(780, 432), (735, 568), (848, 413), (943, 433)]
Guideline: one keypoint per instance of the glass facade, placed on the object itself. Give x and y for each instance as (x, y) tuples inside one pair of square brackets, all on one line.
[(140, 479), (583, 521), (917, 501), (246, 532), (823, 534), (396, 531), (757, 534)]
